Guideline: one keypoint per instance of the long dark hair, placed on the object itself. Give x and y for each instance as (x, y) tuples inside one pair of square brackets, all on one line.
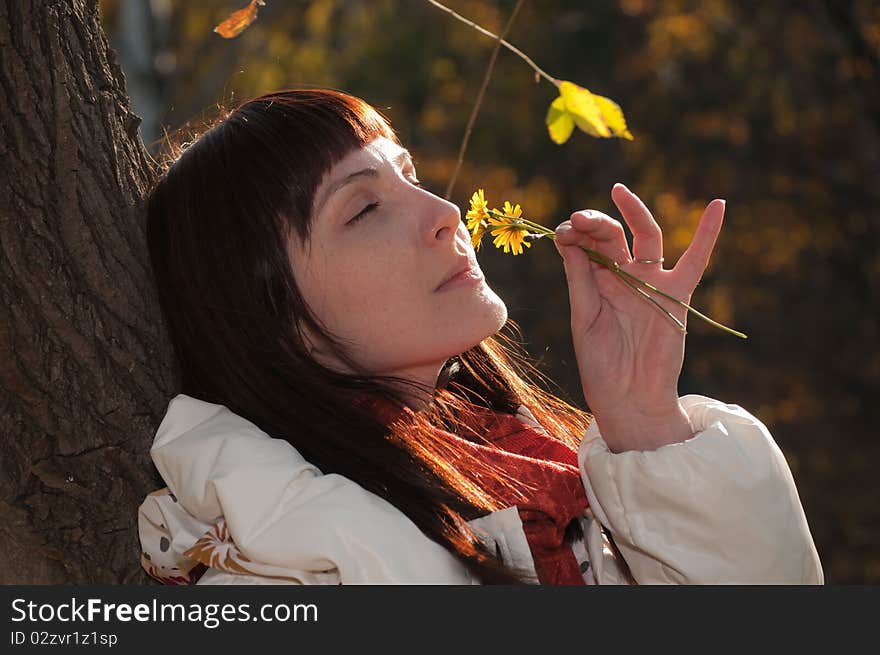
[(218, 219)]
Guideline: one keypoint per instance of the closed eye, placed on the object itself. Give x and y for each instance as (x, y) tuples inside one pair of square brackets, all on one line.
[(373, 205), (366, 210)]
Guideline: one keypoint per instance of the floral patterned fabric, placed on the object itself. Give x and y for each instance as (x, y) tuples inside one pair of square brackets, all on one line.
[(214, 548)]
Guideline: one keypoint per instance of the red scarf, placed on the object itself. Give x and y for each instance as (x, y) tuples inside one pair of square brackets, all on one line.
[(546, 465)]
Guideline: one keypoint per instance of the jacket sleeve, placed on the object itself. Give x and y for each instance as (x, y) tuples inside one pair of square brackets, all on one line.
[(718, 508)]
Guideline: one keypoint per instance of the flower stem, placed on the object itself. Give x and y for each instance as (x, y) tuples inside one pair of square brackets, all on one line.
[(684, 304), (626, 277), (659, 306)]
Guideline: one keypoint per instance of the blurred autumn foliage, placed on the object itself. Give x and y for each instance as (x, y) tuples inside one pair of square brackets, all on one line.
[(773, 106)]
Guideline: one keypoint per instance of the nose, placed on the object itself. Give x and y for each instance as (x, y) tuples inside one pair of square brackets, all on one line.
[(447, 218)]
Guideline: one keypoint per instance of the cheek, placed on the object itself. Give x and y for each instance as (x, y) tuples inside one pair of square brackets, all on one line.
[(365, 293)]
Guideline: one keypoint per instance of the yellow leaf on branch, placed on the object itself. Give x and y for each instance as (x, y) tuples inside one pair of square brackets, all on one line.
[(559, 121), (584, 109), (594, 114), (613, 115), (237, 21)]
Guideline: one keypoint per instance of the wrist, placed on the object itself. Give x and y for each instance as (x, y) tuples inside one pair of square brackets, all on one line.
[(644, 431)]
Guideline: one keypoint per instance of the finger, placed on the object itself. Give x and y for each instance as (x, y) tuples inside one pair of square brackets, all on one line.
[(647, 235), (583, 296), (600, 232), (696, 258)]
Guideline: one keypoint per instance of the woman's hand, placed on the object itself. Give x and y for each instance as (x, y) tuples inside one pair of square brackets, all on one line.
[(629, 353)]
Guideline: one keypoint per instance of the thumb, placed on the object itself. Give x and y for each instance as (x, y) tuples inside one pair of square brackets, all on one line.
[(583, 296)]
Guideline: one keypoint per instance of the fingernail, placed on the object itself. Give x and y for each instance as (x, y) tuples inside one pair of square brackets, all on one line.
[(623, 186), (563, 229)]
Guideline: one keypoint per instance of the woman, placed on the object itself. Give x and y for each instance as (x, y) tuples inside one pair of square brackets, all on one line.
[(350, 412)]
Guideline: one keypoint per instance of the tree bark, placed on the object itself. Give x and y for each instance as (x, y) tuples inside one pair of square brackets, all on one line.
[(85, 364)]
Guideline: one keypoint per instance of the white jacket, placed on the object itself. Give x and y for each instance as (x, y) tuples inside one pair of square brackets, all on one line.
[(719, 508)]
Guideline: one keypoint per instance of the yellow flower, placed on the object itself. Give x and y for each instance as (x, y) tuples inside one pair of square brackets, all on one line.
[(476, 217), (511, 238), (512, 212), (509, 232)]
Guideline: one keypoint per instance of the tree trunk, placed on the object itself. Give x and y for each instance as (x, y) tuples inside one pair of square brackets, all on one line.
[(85, 365)]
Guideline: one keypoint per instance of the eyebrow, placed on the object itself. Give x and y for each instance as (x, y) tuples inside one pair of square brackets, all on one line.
[(367, 172)]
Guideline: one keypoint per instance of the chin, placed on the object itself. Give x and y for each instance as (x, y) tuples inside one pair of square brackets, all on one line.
[(497, 309), (480, 328), (492, 318), (502, 316)]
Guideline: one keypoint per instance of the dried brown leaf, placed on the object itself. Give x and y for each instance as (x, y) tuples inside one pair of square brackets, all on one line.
[(237, 21)]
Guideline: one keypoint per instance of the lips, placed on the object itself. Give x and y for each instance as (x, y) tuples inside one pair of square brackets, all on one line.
[(463, 264)]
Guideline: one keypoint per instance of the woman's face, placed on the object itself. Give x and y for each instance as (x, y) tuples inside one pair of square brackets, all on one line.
[(380, 247)]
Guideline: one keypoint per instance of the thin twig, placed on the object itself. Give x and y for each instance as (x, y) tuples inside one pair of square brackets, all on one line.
[(479, 102), (507, 45)]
